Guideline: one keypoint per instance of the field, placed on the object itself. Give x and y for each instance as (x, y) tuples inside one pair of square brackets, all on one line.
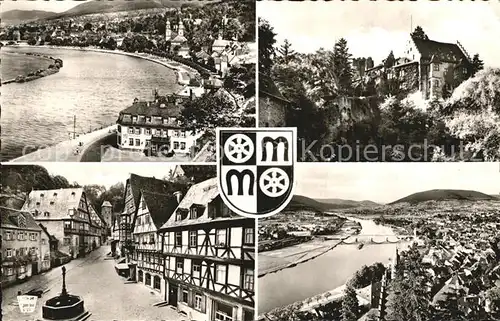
[(14, 64)]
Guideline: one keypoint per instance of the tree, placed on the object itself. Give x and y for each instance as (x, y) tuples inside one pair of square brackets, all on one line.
[(208, 112), (493, 295), (390, 60), (343, 68), (32, 41), (473, 114), (87, 26), (266, 46), (350, 305), (419, 33), (241, 80), (286, 52), (477, 64)]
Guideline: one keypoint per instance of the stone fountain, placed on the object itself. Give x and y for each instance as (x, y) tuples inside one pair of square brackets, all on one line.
[(64, 306)]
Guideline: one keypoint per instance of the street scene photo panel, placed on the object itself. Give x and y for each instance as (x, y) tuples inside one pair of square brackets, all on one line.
[(126, 242)]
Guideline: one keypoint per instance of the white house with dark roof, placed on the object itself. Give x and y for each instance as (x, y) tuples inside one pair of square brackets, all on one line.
[(209, 255), (154, 126), (66, 215)]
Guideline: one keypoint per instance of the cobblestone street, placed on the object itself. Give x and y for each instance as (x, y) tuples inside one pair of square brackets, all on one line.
[(107, 296)]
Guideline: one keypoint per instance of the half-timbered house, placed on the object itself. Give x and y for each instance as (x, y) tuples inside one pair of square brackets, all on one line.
[(147, 261), (135, 184), (209, 256)]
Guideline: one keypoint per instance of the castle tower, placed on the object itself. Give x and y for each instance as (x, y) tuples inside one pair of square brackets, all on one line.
[(106, 212), (168, 30), (181, 28)]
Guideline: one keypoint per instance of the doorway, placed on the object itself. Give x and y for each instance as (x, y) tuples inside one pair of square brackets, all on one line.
[(173, 290)]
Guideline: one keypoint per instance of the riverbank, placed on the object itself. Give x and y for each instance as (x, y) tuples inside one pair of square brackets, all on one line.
[(184, 73), (67, 151), (289, 257), (40, 73)]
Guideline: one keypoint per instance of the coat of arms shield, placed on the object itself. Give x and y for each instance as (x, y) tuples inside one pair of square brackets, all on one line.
[(256, 169)]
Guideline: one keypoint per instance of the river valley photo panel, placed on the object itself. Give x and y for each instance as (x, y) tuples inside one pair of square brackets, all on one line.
[(383, 241), (124, 81), (382, 80)]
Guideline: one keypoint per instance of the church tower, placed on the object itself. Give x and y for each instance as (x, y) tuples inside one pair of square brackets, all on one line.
[(168, 30), (181, 28)]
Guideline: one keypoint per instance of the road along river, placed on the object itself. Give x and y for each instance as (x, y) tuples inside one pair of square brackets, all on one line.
[(93, 86)]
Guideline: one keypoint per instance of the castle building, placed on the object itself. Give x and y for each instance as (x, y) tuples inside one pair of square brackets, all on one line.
[(439, 66), (209, 264)]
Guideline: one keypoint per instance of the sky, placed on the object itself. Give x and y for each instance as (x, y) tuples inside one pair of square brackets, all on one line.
[(374, 28), (52, 5), (106, 174), (387, 182)]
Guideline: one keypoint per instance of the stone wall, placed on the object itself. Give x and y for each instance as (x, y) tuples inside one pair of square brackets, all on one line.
[(272, 112)]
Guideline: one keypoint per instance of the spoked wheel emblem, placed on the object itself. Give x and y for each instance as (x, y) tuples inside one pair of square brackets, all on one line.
[(274, 182), (238, 148)]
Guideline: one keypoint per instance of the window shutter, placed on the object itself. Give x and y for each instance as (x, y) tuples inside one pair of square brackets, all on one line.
[(203, 303), (190, 298)]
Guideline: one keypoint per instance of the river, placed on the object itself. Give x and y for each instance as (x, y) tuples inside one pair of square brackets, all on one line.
[(326, 272), (92, 86)]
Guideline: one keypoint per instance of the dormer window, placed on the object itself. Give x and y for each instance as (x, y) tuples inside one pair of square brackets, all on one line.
[(41, 195), (178, 216), (52, 203), (46, 214), (72, 193), (148, 119), (134, 119), (193, 213), (37, 203), (55, 194)]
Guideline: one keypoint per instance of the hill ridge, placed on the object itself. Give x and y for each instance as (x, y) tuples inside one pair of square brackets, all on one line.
[(444, 194)]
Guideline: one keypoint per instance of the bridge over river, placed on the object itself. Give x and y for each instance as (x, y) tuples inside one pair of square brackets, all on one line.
[(372, 238)]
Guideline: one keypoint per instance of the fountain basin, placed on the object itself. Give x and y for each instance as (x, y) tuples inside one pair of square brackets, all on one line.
[(63, 307)]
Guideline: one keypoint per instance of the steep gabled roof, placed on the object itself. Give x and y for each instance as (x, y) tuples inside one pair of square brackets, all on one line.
[(199, 196), (56, 201), (440, 50), (160, 206), (148, 184), (269, 88), (44, 229), (11, 218)]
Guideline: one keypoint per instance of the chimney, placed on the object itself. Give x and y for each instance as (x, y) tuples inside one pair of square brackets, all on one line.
[(178, 196)]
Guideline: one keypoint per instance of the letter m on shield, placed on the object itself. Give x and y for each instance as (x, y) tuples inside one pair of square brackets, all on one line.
[(255, 169)]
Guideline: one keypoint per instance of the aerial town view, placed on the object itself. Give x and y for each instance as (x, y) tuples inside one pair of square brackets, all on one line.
[(397, 81), (91, 81), (378, 242), (110, 242)]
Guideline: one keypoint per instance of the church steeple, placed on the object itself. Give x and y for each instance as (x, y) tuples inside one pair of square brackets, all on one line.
[(181, 28), (168, 30)]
